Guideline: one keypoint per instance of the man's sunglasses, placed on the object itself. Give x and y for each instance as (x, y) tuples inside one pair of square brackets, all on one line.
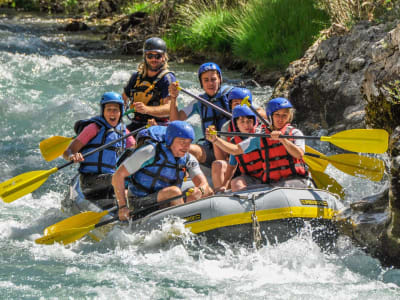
[(156, 56)]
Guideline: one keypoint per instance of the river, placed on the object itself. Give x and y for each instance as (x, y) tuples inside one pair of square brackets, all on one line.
[(46, 84)]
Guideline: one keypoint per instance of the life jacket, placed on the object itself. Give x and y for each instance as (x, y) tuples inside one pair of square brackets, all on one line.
[(249, 163), (209, 116), (104, 161), (278, 163), (144, 90), (165, 171), (152, 134)]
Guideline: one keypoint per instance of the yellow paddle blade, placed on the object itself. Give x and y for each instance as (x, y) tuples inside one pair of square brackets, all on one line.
[(65, 236), (353, 164), (315, 163), (23, 184), (53, 147), (360, 140), (325, 182), (84, 219), (358, 165)]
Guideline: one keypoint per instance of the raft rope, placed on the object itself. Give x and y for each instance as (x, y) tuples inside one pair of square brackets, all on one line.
[(255, 225)]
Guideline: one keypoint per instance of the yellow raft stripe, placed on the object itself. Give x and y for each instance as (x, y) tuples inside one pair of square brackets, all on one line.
[(262, 216)]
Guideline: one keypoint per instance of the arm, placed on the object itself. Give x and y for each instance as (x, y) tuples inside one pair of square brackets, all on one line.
[(201, 190), (160, 111), (72, 152), (223, 145), (291, 148), (118, 182), (174, 114)]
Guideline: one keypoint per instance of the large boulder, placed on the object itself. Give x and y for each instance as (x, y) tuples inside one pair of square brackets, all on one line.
[(325, 85)]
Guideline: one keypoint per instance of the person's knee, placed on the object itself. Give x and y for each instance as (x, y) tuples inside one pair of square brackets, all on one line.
[(219, 165), (238, 184), (168, 192), (198, 152)]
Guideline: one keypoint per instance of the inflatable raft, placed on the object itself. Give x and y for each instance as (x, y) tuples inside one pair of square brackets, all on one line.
[(261, 214)]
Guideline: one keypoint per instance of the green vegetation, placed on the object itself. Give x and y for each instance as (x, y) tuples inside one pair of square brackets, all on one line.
[(266, 34), (263, 34)]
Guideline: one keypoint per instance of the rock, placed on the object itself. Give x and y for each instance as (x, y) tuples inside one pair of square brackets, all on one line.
[(350, 81), (76, 26)]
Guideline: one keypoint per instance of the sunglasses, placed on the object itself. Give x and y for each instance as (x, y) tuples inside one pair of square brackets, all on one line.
[(156, 56)]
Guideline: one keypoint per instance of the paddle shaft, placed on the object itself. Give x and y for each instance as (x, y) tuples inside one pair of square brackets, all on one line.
[(142, 209), (268, 135), (103, 147), (208, 103)]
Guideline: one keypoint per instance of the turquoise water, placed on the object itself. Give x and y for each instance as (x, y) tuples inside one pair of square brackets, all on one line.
[(46, 84)]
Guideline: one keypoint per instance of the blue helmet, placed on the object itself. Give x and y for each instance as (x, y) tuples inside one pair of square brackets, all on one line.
[(242, 111), (178, 129), (209, 66), (156, 133), (111, 97), (277, 104), (239, 93)]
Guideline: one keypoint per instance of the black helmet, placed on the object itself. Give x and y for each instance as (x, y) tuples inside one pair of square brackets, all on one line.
[(155, 44)]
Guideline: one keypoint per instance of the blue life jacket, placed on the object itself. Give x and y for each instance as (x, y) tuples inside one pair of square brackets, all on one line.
[(165, 171), (209, 116), (103, 162)]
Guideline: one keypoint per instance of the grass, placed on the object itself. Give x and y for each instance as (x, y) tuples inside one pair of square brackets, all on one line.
[(267, 34)]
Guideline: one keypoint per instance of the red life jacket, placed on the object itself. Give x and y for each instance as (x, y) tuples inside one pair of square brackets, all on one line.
[(250, 163), (278, 163)]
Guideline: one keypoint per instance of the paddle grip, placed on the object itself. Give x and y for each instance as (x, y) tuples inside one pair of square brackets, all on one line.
[(104, 146), (208, 103)]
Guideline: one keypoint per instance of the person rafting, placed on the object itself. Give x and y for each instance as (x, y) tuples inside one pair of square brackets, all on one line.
[(250, 164), (282, 157), (147, 90), (96, 170), (158, 171), (220, 167), (210, 77)]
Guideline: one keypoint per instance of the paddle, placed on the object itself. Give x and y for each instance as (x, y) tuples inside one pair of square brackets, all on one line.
[(26, 183), (325, 182), (353, 164), (206, 102), (55, 146), (62, 234), (355, 140), (245, 101)]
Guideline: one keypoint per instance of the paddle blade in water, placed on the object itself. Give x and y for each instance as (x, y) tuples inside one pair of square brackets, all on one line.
[(315, 163), (360, 140), (358, 165), (325, 182), (23, 184), (84, 219), (65, 236), (53, 147)]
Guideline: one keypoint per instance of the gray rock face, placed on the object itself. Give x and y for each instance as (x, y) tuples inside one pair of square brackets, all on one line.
[(325, 85), (352, 80)]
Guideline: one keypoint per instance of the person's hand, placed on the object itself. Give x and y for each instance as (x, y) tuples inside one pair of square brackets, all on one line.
[(151, 122), (173, 90), (275, 135), (211, 137), (123, 213), (141, 108), (77, 157)]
